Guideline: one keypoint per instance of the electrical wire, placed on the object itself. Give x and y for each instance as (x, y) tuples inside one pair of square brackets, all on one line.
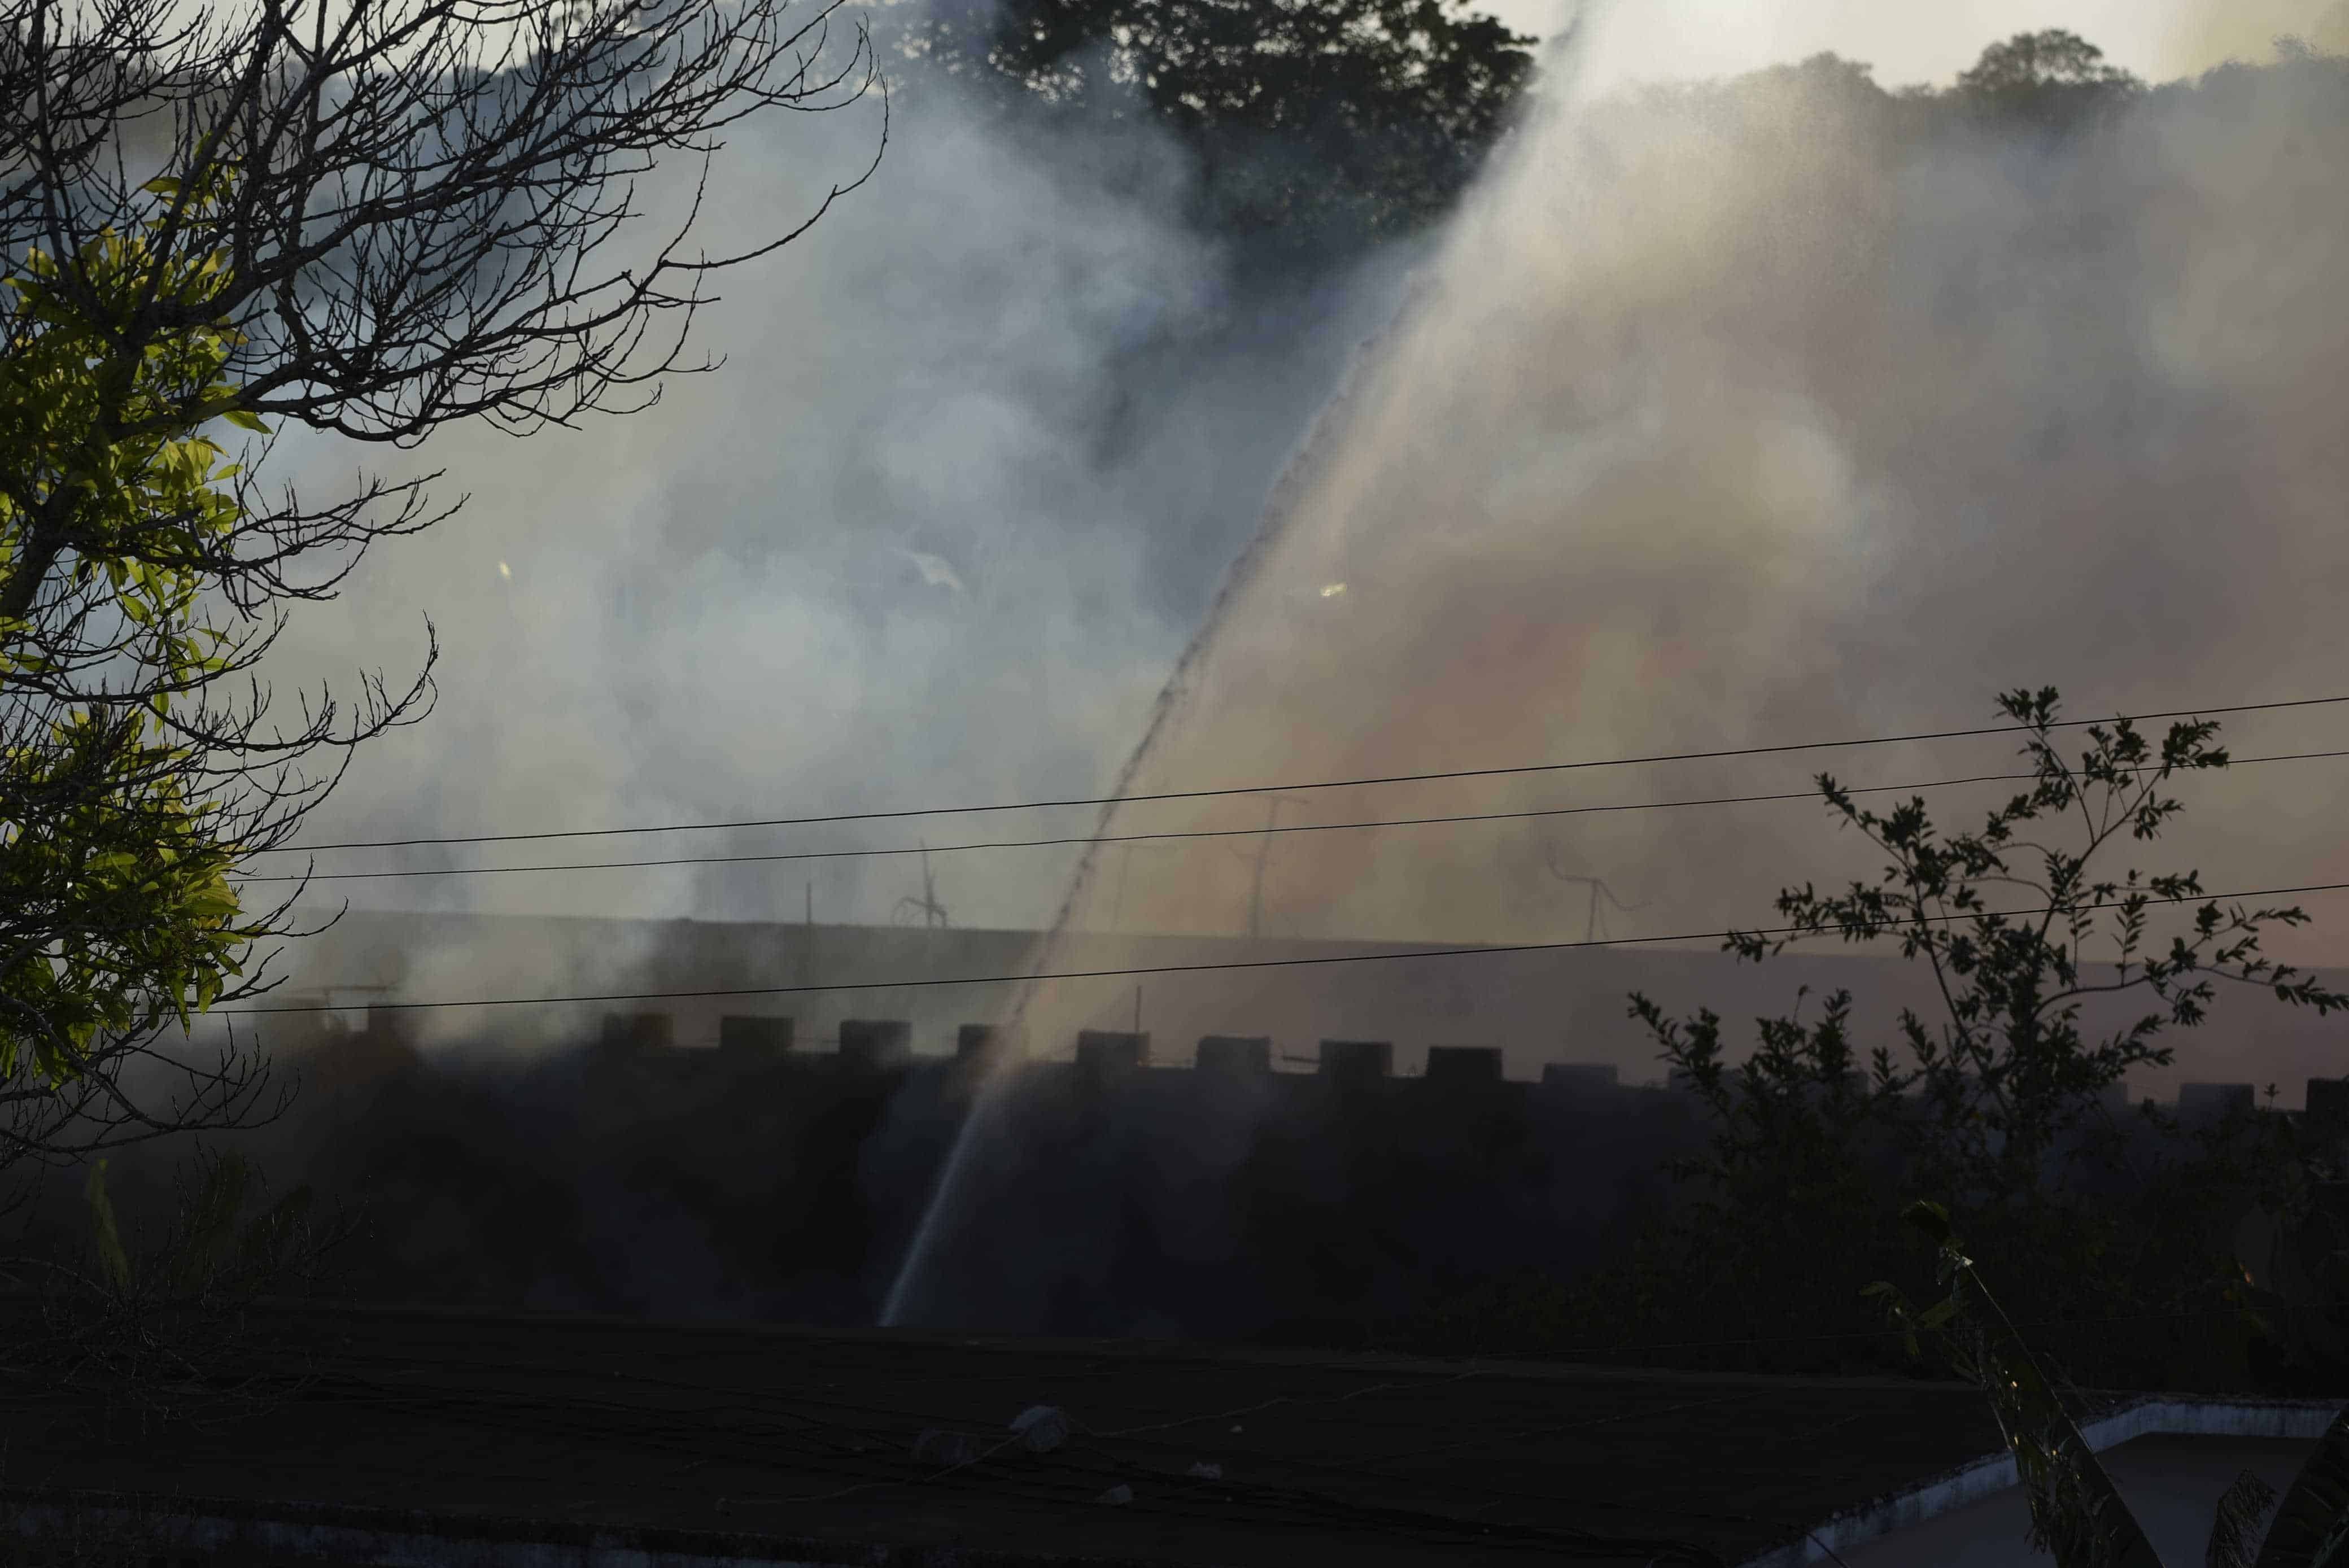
[(1496, 772), (1208, 832), (926, 982)]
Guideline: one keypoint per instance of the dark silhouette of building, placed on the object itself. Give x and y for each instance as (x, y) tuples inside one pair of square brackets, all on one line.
[(1236, 1056), (1464, 1067), (2326, 1120), (638, 1032), (1357, 1061), (875, 1045), (2204, 1104), (1103, 1055), (754, 1036)]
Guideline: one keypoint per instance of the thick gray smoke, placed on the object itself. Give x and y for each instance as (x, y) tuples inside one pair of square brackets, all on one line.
[(1770, 412), (1733, 415), (1751, 414), (1738, 415), (982, 442)]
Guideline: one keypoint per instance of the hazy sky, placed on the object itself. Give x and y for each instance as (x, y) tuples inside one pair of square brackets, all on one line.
[(1922, 43)]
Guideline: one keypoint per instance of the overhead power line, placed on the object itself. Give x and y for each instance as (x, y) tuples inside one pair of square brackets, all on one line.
[(1203, 832), (1237, 963), (1278, 788)]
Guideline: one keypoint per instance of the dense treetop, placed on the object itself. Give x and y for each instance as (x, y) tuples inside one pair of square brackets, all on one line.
[(1315, 123), (2051, 79), (1319, 127)]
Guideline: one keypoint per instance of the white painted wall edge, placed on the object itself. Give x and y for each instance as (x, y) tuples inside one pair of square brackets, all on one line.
[(2149, 1414)]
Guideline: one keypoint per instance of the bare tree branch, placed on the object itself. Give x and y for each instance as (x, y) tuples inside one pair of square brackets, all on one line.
[(379, 221)]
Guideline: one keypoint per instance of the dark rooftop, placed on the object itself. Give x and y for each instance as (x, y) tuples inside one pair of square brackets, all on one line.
[(740, 1442)]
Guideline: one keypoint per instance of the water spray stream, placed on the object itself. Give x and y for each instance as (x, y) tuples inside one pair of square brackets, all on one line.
[(1304, 465), (1313, 457)]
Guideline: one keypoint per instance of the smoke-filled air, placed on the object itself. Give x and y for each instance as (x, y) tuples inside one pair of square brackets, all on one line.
[(1773, 405), (1785, 407), (1188, 783)]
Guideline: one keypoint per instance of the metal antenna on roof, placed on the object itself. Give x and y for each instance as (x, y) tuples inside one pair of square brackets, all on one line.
[(933, 912), (1263, 850), (1593, 919)]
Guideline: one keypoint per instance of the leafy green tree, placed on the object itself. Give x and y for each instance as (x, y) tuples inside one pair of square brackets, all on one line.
[(116, 908), (1317, 124), (372, 219), (2052, 78), (1999, 1098), (2007, 1070)]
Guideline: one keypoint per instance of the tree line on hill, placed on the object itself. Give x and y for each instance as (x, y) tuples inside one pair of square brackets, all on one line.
[(1318, 129)]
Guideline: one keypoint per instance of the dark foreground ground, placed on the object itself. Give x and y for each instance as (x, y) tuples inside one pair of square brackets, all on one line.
[(717, 1441)]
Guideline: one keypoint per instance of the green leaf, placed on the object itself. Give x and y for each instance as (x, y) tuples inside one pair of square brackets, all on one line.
[(2311, 1529), (1939, 1314), (2235, 1527)]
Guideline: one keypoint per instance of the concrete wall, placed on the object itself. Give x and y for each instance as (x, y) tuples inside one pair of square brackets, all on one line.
[(1538, 1006)]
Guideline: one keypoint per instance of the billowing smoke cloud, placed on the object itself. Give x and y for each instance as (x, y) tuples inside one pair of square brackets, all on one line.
[(1751, 415), (915, 540), (1771, 412), (1730, 416), (983, 440)]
